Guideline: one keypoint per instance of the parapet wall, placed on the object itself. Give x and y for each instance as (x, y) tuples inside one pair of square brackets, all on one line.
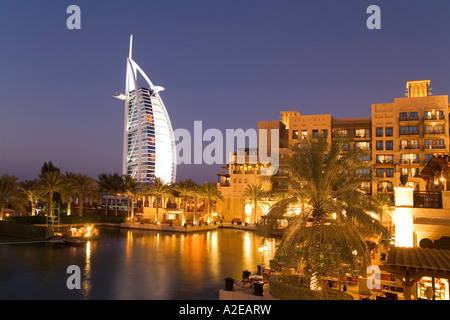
[(22, 230)]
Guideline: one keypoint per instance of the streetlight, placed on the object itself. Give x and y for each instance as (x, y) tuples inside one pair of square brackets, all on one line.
[(262, 249)]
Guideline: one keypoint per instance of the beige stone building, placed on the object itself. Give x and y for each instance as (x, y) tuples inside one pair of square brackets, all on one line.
[(405, 135)]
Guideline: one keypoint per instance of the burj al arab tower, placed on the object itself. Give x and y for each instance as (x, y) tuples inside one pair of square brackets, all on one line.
[(149, 144)]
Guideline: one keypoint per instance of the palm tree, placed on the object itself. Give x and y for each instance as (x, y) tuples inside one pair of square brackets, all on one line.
[(254, 193), (111, 184), (105, 187), (196, 194), (8, 192), (141, 189), (68, 190), (186, 189), (383, 204), (51, 182), (209, 192), (326, 233), (84, 187), (117, 187), (160, 189), (129, 187), (31, 190)]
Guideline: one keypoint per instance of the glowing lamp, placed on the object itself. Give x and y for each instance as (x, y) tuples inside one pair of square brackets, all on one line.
[(403, 218)]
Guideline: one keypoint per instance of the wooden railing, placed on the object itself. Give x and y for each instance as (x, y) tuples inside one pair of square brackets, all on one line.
[(428, 199)]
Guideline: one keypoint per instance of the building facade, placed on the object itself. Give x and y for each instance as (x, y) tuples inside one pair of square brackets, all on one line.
[(400, 137), (149, 142)]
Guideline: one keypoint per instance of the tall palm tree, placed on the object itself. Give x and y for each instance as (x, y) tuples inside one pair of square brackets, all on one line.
[(254, 193), (67, 191), (111, 184), (160, 189), (117, 187), (84, 187), (104, 186), (209, 192), (196, 195), (31, 190), (186, 189), (129, 187), (139, 191), (51, 182), (8, 191), (326, 233)]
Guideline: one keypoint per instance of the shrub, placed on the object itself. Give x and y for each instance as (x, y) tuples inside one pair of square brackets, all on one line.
[(289, 287)]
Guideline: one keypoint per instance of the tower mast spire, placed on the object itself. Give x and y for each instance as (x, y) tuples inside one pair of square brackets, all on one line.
[(130, 55)]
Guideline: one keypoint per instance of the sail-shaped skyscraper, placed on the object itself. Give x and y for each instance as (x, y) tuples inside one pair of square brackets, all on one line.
[(149, 143)]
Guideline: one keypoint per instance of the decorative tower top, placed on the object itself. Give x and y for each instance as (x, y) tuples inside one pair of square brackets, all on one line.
[(418, 88)]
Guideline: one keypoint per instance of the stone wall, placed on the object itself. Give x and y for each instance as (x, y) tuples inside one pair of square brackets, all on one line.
[(22, 230)]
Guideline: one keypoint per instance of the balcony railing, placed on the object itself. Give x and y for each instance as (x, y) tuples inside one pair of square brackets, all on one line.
[(431, 200), (436, 131), (409, 147), (434, 117), (409, 161), (409, 132), (385, 161), (410, 118), (434, 146)]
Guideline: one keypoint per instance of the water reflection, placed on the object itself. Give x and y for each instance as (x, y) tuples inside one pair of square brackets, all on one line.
[(133, 264), (87, 272)]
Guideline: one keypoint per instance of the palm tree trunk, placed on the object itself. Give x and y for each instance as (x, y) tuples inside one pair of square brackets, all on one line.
[(157, 207), (209, 211), (315, 261), (195, 209), (184, 210), (33, 208), (256, 204), (80, 207), (50, 205), (115, 197)]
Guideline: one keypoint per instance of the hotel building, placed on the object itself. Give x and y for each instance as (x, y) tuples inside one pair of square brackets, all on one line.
[(408, 137), (149, 142)]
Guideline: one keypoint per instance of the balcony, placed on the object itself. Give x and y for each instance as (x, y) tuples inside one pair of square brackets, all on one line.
[(431, 200), (410, 147), (409, 118), (385, 161), (435, 132), (409, 132), (434, 117), (409, 161), (435, 147)]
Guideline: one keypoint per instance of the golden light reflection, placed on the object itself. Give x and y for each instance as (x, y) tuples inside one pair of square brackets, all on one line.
[(248, 249), (213, 251), (87, 272)]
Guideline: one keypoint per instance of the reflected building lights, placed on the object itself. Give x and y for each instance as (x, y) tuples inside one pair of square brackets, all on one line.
[(87, 272)]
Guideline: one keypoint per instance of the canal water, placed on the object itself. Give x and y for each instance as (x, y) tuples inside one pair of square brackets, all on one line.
[(132, 265)]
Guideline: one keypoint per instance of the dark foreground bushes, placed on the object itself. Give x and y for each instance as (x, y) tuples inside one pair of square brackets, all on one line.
[(290, 287)]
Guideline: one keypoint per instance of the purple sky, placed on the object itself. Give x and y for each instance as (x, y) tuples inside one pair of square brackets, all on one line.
[(227, 63)]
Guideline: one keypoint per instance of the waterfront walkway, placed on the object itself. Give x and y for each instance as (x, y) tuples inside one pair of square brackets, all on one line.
[(185, 229)]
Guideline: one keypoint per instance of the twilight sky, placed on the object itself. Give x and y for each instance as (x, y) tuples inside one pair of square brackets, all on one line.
[(227, 63)]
